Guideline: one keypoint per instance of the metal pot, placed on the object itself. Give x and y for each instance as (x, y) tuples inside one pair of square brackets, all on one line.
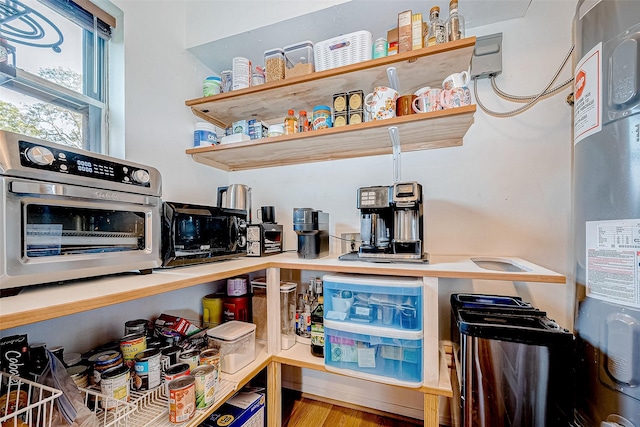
[(235, 196)]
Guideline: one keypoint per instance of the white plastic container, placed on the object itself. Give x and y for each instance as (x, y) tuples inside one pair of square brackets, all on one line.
[(241, 68), (236, 342), (204, 134)]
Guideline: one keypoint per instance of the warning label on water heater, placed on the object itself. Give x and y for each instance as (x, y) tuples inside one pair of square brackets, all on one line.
[(613, 261), (587, 93)]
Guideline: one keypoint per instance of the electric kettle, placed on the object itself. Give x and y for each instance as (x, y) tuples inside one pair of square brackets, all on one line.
[(235, 196)]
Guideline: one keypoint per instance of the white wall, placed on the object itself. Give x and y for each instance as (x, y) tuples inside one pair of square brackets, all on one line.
[(506, 191)]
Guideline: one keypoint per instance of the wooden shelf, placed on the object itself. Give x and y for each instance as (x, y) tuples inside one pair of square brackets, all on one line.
[(440, 129), (415, 69)]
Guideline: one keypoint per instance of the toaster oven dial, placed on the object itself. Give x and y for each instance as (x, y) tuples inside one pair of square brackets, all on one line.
[(41, 156), (141, 176)]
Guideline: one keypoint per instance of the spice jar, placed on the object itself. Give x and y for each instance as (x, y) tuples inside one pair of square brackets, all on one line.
[(274, 65)]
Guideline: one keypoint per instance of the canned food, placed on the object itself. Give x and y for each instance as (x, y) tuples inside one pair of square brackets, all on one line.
[(205, 385), (192, 357), (130, 345), (79, 374), (114, 384), (173, 372), (138, 326), (147, 367), (170, 355), (182, 399), (321, 117), (212, 357), (103, 362)]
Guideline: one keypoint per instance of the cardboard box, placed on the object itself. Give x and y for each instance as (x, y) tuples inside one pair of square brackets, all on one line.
[(405, 40), (177, 324), (416, 31), (392, 39), (245, 409)]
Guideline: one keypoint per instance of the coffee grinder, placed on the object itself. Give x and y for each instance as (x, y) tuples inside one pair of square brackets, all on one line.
[(391, 222), (312, 228)]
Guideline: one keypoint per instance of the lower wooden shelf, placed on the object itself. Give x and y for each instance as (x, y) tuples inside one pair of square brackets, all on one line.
[(438, 129)]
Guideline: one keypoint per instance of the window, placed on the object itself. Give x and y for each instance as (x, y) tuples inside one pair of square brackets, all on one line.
[(53, 72)]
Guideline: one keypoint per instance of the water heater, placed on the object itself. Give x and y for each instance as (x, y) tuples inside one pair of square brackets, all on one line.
[(607, 212)]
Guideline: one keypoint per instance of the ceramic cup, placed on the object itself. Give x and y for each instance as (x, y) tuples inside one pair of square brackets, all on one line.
[(404, 105), (455, 97), (381, 104), (427, 99), (456, 80)]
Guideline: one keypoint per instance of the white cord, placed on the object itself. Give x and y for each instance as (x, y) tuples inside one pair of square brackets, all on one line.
[(530, 100)]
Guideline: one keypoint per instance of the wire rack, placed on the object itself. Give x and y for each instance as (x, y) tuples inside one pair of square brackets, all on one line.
[(144, 409), (117, 414), (26, 401)]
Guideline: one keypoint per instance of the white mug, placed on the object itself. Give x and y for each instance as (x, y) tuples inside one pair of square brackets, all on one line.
[(428, 99), (455, 97), (381, 104), (456, 80)]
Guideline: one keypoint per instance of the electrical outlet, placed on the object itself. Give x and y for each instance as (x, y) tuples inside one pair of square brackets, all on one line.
[(349, 242), (486, 60)]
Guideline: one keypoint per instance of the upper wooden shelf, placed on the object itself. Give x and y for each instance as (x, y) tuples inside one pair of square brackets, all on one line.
[(415, 69)]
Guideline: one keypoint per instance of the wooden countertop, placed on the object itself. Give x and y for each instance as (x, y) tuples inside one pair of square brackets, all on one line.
[(44, 302)]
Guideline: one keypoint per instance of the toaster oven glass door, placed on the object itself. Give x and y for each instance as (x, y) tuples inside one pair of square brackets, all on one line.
[(205, 235), (53, 230)]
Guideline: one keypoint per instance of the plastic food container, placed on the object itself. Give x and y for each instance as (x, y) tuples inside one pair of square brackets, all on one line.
[(204, 134), (275, 130), (321, 117), (236, 342), (299, 59), (274, 65)]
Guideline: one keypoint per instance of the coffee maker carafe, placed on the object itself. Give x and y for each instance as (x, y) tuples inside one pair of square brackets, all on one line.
[(391, 222)]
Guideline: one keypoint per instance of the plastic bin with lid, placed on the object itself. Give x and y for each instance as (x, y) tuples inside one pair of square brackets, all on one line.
[(382, 301), (299, 59), (236, 342), (384, 355)]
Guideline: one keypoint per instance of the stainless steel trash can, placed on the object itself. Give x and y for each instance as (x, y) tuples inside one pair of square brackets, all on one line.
[(515, 367)]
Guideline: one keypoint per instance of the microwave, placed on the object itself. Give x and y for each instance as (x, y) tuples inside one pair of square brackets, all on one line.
[(264, 239), (194, 234)]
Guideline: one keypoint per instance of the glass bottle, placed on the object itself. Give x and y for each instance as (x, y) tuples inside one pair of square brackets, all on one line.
[(437, 32), (455, 22), (290, 123), (317, 329)]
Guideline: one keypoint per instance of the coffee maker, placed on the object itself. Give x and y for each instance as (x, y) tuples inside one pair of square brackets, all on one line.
[(312, 228), (391, 222)]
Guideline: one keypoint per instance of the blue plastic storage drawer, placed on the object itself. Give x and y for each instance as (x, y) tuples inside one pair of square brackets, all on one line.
[(394, 359), (388, 302)]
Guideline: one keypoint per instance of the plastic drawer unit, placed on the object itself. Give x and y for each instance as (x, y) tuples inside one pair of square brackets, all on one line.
[(380, 301), (378, 354)]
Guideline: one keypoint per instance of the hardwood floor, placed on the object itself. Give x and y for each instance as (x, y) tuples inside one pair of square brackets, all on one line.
[(301, 411)]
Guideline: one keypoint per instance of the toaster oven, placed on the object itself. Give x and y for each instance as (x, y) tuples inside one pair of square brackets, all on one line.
[(66, 213)]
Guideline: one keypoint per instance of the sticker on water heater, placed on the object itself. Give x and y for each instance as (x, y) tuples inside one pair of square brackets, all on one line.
[(613, 261), (587, 93)]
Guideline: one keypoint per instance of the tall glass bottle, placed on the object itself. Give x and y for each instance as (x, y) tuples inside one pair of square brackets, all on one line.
[(455, 22), (317, 329), (437, 31)]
